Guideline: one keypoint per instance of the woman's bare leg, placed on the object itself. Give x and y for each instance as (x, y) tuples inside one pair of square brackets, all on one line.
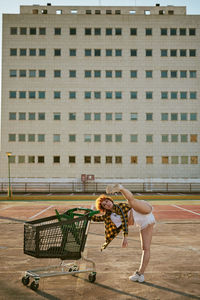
[(146, 237), (140, 206)]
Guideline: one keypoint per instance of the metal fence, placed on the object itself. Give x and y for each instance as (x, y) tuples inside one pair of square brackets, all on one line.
[(97, 187)]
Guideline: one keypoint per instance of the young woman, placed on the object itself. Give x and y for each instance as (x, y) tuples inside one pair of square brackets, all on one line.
[(117, 217)]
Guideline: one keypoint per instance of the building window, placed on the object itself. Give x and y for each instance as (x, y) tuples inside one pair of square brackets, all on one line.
[(57, 31), (33, 31), (41, 94), (97, 138), (56, 138), (149, 116), (97, 52), (182, 31), (12, 116), (41, 138), (174, 117), (184, 138), (192, 52), (88, 31), (193, 95), (97, 116), (88, 52), (108, 74), (87, 117), (23, 30), (183, 95), (173, 31), (149, 52), (183, 116), (173, 74), (22, 73), (97, 73), (42, 31), (57, 116), (22, 52), (118, 116), (31, 137), (165, 159), (57, 73), (108, 52), (32, 95), (174, 160), (41, 116), (57, 94), (41, 159), (193, 138), (133, 95), (118, 52), (72, 73), (97, 159), (42, 52), (173, 52), (164, 74), (87, 95), (163, 52), (72, 138), (72, 95), (118, 31), (164, 138), (57, 52), (56, 159), (87, 138), (32, 73), (164, 95), (108, 116), (13, 73), (32, 52), (72, 31), (148, 31), (149, 95), (31, 116), (174, 95), (87, 159), (133, 138), (108, 31), (72, 52), (97, 12), (193, 116), (22, 116), (184, 160), (97, 31), (163, 31), (118, 138), (12, 137), (72, 116), (183, 52), (193, 74), (149, 73), (133, 31), (183, 74), (149, 138), (72, 159), (118, 159), (97, 95), (149, 160), (13, 52), (133, 73), (134, 116), (108, 138), (134, 159), (192, 31), (194, 160), (13, 30), (118, 95), (31, 159), (133, 52), (21, 159), (88, 73), (174, 138), (108, 159)]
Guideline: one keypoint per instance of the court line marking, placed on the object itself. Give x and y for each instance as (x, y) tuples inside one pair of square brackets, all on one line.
[(6, 207), (188, 210), (41, 212)]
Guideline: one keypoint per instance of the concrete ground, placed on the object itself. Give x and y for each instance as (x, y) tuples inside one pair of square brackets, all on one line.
[(173, 271)]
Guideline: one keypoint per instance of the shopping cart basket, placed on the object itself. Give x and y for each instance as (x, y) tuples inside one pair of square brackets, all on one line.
[(60, 236)]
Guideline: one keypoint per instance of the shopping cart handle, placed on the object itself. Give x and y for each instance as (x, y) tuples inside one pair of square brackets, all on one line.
[(70, 213)]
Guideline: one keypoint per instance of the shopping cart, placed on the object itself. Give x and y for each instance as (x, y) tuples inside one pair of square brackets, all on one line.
[(60, 236)]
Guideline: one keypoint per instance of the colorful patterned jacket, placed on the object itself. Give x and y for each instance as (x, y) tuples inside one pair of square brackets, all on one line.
[(111, 231)]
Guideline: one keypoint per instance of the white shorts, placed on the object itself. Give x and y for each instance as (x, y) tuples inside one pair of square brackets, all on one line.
[(141, 220)]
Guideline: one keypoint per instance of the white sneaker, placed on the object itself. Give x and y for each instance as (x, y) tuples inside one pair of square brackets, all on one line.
[(137, 277), (113, 188)]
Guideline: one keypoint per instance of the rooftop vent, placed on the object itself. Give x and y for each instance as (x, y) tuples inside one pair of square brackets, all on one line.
[(48, 4), (157, 4)]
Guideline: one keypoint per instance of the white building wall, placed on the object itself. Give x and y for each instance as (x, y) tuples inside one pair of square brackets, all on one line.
[(141, 149)]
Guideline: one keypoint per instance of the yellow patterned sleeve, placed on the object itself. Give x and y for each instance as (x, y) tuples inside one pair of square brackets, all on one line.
[(98, 218)]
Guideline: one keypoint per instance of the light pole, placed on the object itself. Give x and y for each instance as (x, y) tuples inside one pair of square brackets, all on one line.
[(9, 185)]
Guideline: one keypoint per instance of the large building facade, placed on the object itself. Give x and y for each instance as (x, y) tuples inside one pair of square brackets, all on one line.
[(109, 91)]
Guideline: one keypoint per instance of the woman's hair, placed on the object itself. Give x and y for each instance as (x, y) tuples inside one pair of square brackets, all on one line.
[(100, 199)]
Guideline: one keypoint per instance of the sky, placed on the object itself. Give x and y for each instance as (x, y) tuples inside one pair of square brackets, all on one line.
[(13, 7)]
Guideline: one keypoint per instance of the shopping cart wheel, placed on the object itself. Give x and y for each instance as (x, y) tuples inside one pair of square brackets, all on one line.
[(92, 277), (34, 286), (25, 280)]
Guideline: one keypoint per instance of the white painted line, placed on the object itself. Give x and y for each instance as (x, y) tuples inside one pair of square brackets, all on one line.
[(6, 207), (192, 212), (41, 212)]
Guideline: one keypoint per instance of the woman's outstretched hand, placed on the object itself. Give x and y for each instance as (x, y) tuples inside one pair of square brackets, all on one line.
[(124, 242)]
